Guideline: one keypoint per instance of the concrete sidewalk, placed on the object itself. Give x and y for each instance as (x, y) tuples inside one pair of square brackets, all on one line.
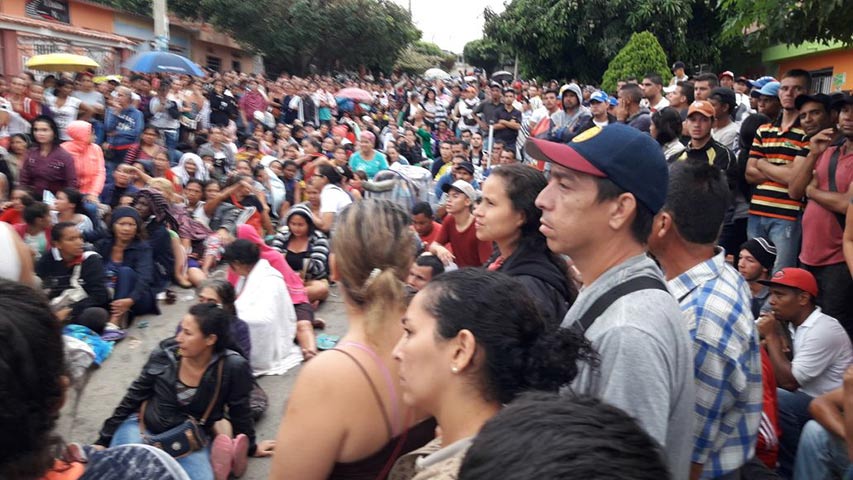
[(84, 413)]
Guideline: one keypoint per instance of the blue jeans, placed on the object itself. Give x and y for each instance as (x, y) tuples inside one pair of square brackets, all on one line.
[(785, 234), (820, 454), (126, 280), (197, 464), (793, 415), (170, 138)]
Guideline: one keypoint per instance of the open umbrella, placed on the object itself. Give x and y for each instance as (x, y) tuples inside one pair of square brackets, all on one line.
[(356, 94), (162, 62), (502, 76), (436, 74), (61, 62)]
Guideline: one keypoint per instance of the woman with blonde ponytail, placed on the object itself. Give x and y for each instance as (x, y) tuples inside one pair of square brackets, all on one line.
[(346, 417)]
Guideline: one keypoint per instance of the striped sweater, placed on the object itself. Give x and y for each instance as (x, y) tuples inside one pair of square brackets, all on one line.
[(779, 147)]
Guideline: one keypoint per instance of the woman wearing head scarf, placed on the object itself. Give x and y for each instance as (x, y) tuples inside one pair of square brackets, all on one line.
[(191, 166), (156, 214), (88, 159)]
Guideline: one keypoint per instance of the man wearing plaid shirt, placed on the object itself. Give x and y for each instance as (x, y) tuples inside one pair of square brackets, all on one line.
[(716, 304)]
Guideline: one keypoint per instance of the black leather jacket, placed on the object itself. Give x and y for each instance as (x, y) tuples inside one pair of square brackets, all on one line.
[(157, 384)]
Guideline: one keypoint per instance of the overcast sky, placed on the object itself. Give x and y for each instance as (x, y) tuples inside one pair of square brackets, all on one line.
[(450, 23)]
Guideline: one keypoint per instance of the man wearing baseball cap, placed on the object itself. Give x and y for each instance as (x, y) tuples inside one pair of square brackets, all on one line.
[(702, 148), (599, 106), (458, 231), (727, 79), (604, 190), (822, 353), (773, 214)]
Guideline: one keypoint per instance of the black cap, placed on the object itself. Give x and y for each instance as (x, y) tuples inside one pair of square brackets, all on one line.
[(677, 65), (467, 166), (839, 101), (818, 98)]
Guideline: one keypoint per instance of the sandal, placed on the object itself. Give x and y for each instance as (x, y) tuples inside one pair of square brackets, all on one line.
[(221, 456), (327, 342), (240, 459)]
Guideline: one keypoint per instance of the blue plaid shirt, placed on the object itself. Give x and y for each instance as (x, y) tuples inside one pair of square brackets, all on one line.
[(727, 364)]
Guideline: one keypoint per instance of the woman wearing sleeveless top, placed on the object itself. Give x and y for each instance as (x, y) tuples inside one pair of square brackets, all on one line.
[(345, 418), (474, 340)]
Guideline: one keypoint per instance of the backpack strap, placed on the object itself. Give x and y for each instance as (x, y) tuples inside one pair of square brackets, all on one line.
[(603, 302), (833, 187)]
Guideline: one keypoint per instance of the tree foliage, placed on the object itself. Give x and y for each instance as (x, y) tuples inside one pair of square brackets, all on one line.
[(295, 35), (640, 56), (577, 39), (420, 56), (484, 53), (788, 21)]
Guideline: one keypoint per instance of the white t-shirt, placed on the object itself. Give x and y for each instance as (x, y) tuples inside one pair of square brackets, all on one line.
[(65, 115), (333, 199), (728, 136), (663, 103), (822, 352)]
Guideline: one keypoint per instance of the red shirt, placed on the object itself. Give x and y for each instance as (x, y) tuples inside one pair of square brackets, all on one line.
[(822, 232), (469, 251), (436, 230)]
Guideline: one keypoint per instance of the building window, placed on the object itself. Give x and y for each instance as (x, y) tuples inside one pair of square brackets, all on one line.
[(214, 63), (45, 48), (235, 65), (821, 80)]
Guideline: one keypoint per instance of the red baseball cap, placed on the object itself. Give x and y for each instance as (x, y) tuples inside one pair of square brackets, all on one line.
[(795, 278), (727, 73)]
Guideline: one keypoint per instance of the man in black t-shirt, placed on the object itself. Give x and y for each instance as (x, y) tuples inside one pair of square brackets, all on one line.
[(508, 121)]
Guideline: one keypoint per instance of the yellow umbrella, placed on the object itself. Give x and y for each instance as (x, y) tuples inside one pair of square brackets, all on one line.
[(61, 62)]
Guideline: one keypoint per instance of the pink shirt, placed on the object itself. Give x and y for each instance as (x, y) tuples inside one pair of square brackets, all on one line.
[(822, 232)]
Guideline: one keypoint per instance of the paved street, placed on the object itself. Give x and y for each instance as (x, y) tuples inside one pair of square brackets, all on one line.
[(83, 415)]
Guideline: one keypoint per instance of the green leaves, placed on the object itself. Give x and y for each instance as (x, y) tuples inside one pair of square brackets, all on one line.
[(483, 53), (640, 56), (789, 21)]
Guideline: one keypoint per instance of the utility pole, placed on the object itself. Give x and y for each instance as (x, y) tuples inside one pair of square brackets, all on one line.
[(161, 26)]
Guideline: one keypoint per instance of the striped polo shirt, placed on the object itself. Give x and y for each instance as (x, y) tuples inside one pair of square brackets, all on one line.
[(779, 147)]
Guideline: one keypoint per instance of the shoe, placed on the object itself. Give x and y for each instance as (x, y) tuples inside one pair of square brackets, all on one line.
[(221, 456), (241, 455)]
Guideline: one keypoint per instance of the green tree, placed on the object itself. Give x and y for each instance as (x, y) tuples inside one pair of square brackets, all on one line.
[(788, 21), (577, 39), (484, 53), (640, 56)]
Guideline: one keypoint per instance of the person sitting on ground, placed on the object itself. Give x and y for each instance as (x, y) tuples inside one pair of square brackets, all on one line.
[(295, 287), (190, 166), (13, 210), (473, 340), (757, 256), (264, 303), (35, 231), (68, 267), (158, 168), (240, 198), (120, 186), (458, 230), (367, 158), (333, 198), (822, 353), (306, 250), (424, 223), (147, 149), (508, 216), (596, 442), (128, 267), (88, 159), (69, 207), (34, 383), (156, 215), (221, 293), (183, 376), (325, 435), (423, 270)]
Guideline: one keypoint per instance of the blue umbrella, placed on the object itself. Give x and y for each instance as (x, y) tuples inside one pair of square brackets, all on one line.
[(165, 62)]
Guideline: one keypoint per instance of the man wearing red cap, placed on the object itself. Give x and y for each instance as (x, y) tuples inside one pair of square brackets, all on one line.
[(822, 352)]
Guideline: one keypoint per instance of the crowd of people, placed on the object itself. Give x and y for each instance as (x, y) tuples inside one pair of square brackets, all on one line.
[(656, 280)]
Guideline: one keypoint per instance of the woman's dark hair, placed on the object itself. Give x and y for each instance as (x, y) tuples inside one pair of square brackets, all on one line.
[(213, 320), (34, 211), (76, 198), (27, 197), (668, 124), (200, 183), (22, 136), (333, 174), (521, 352), (225, 291), (522, 185), (50, 123), (242, 251), (58, 230), (63, 82), (31, 386)]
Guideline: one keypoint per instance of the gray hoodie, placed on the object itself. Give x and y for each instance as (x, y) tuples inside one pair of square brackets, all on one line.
[(646, 359)]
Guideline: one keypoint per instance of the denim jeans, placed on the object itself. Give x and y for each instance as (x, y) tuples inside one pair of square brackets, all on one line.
[(793, 415), (170, 138), (785, 234), (820, 454), (197, 464)]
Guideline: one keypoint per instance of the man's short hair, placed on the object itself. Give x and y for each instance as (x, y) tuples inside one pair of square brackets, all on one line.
[(799, 73), (697, 199), (422, 208), (654, 78), (548, 436), (34, 211), (707, 77), (687, 90), (641, 227), (551, 90), (632, 92), (725, 96), (432, 262)]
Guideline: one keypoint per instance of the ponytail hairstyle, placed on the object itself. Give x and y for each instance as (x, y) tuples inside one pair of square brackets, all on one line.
[(520, 351), (213, 320), (31, 382), (225, 291), (373, 248)]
